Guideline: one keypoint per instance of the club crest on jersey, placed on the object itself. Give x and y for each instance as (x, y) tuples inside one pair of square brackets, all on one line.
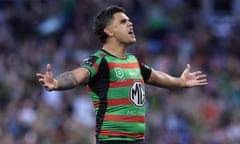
[(137, 94), (119, 72)]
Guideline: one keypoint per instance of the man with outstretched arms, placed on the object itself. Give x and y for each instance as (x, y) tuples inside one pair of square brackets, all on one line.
[(115, 80)]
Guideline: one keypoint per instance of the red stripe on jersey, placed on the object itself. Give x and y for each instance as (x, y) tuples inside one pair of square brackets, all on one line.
[(121, 65), (124, 118), (122, 83), (96, 104), (120, 134), (101, 55), (88, 88), (123, 101), (114, 102), (95, 66)]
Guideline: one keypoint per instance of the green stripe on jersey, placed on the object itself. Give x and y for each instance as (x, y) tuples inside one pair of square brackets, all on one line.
[(125, 126), (118, 92), (127, 110)]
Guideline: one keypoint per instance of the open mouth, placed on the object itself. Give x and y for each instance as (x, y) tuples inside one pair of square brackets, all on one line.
[(131, 32)]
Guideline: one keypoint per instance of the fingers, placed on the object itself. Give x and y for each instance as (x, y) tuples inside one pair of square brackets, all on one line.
[(188, 66), (202, 82), (199, 75), (187, 69), (196, 73), (44, 84), (40, 78), (39, 75), (196, 78), (49, 70), (202, 76), (201, 79), (47, 87)]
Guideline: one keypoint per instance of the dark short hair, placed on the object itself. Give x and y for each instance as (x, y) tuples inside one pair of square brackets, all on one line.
[(102, 19)]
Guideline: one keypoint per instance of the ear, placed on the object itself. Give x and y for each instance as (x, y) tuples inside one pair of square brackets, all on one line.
[(108, 31)]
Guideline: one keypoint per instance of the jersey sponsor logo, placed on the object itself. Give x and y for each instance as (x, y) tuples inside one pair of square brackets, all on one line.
[(137, 94), (119, 72), (134, 73), (89, 61)]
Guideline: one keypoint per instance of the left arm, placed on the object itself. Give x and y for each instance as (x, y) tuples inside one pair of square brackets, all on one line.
[(187, 79)]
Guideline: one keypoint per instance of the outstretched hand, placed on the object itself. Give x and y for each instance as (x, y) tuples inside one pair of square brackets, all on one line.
[(192, 79), (47, 79)]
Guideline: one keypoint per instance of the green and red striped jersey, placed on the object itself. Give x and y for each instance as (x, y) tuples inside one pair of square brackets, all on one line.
[(116, 87)]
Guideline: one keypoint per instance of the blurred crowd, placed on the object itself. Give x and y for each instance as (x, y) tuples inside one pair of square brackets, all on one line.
[(170, 34)]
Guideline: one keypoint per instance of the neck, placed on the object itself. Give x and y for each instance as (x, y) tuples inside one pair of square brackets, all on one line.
[(116, 50)]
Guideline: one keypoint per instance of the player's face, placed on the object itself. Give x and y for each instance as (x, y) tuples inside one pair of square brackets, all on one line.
[(122, 28)]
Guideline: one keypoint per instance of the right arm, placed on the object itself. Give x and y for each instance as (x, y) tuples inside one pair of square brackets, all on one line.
[(64, 81), (70, 79)]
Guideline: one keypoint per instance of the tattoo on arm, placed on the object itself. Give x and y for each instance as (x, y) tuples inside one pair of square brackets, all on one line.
[(66, 81)]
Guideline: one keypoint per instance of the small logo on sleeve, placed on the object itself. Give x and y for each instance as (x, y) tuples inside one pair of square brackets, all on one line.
[(89, 61)]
